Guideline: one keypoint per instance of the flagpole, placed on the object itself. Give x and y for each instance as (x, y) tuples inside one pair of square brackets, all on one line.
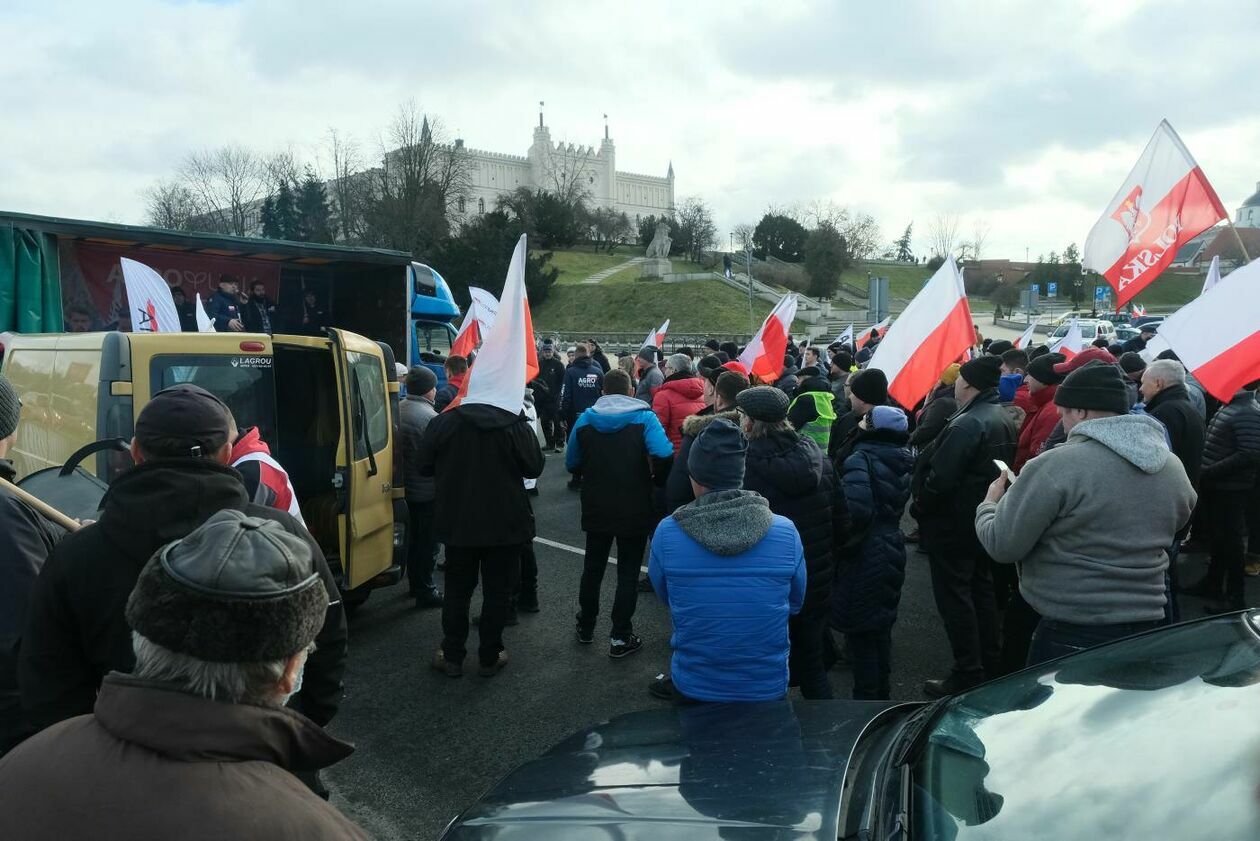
[(1238, 237)]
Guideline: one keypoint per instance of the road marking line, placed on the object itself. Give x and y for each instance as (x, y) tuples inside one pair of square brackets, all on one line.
[(575, 550)]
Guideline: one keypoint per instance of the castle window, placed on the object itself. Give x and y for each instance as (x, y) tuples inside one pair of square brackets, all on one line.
[(461, 204), (481, 205)]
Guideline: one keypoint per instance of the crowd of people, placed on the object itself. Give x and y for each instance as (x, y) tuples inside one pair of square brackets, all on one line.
[(194, 633)]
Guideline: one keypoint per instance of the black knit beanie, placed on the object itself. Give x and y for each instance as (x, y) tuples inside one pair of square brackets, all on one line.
[(1041, 369), (999, 347), (870, 385), (983, 372), (1132, 363), (1096, 385)]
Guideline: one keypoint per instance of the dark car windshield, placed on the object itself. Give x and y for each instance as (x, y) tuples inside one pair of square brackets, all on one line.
[(1156, 737), (245, 383)]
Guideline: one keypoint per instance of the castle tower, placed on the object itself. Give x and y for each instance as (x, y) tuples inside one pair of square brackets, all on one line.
[(607, 165), (540, 152)]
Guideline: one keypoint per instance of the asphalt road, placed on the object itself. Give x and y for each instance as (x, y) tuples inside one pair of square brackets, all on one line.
[(428, 745)]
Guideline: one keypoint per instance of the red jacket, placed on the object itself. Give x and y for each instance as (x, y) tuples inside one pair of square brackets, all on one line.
[(266, 481), (678, 398), (1038, 424), (1024, 399)]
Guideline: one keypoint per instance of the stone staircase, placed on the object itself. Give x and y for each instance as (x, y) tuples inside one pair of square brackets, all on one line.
[(601, 276)]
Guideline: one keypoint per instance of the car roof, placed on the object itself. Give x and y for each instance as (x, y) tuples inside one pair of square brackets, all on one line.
[(684, 772)]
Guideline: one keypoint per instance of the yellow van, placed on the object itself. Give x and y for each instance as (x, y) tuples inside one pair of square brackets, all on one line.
[(327, 407)]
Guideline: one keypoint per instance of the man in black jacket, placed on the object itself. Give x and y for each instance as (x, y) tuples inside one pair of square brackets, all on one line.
[(800, 483), (26, 539), (75, 630), (224, 306), (479, 454), (951, 478), (620, 448), (1231, 456), (1163, 389), (547, 387), (259, 312)]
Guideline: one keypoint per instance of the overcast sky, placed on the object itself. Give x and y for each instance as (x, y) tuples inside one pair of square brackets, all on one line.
[(1021, 116)]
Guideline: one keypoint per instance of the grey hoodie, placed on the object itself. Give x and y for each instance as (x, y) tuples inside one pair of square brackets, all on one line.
[(1089, 523), (726, 522)]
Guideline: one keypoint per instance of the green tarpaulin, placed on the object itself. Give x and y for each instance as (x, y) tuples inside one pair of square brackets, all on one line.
[(30, 281)]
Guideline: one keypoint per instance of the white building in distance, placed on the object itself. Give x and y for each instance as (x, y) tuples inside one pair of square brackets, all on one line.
[(556, 166)]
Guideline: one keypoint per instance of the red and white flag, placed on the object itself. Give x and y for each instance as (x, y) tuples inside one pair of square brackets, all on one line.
[(656, 338), (1217, 335), (149, 300), (1026, 339), (1137, 310), (878, 329), (1165, 202), (477, 322), (764, 355), (508, 357), (1213, 275), (1072, 342), (933, 332)]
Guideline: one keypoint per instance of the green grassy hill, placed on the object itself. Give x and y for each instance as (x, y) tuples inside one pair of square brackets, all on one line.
[(699, 306), (903, 281)]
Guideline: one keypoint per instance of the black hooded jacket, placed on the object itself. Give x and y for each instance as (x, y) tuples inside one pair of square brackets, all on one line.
[(800, 483), (76, 632), (952, 475), (1186, 432), (480, 456), (1231, 454)]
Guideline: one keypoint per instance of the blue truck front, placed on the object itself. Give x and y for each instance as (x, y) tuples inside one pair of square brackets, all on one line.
[(433, 314)]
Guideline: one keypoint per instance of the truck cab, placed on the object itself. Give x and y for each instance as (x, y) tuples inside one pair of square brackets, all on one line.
[(433, 313), (326, 406)]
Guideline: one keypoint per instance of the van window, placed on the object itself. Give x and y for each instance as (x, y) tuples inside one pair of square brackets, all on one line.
[(245, 383), (370, 408)]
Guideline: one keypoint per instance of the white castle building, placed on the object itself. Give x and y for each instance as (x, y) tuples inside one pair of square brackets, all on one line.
[(556, 166)]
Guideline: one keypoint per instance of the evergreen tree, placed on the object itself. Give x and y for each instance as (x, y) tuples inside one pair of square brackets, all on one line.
[(904, 254), (270, 229), (285, 211), (313, 214)]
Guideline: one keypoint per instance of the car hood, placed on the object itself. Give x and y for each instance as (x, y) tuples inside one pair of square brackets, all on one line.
[(764, 770)]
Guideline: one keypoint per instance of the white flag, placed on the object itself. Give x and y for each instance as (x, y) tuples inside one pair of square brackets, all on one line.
[(656, 338), (149, 300), (846, 338), (1025, 340), (1213, 275), (1072, 342), (508, 357), (205, 324)]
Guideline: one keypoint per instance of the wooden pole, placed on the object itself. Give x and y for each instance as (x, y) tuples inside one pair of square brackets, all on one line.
[(1238, 236), (42, 507)]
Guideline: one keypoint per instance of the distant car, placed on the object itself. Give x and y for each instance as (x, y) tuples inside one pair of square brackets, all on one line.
[(1154, 736), (1090, 329), (1124, 332), (1148, 319), (1117, 318)]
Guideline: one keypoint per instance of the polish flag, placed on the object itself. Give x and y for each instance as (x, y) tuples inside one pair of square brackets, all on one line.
[(1026, 339), (846, 338), (477, 322), (656, 338), (1072, 342), (1165, 202), (1213, 275), (933, 332), (764, 355), (148, 299), (1138, 310), (1217, 335), (878, 329), (508, 357)]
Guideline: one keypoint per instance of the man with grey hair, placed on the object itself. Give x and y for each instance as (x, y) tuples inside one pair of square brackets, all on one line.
[(222, 622), (680, 396), (1168, 400)]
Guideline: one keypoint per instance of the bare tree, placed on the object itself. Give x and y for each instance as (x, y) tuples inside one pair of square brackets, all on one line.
[(569, 173), (743, 236), (861, 232), (169, 204), (979, 237), (226, 184), (346, 186), (943, 234), (420, 182)]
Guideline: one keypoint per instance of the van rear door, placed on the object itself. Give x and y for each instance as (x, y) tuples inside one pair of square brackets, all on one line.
[(367, 471)]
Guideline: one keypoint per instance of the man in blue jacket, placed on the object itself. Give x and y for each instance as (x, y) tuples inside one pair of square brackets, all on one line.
[(731, 573), (621, 452), (583, 384)]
